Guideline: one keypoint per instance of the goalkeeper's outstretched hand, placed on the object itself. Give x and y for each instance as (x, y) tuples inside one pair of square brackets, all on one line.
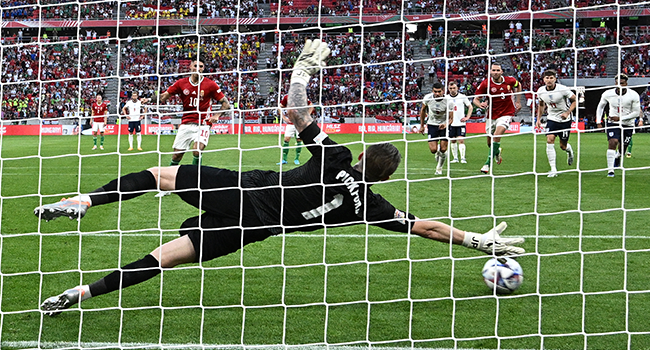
[(492, 243), (310, 61)]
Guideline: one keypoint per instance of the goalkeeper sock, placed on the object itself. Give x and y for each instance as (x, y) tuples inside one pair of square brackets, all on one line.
[(131, 186), (173, 162), (285, 150), (550, 153), (133, 273), (101, 141), (196, 160), (299, 144)]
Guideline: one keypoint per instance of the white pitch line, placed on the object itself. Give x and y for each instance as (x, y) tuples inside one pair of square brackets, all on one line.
[(105, 345), (306, 235)]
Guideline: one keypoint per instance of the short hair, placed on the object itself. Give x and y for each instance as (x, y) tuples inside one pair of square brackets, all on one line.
[(100, 95), (495, 63), (453, 82), (437, 85), (549, 73), (621, 76), (381, 160)]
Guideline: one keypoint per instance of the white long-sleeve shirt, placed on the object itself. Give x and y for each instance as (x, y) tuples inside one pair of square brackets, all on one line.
[(627, 106)]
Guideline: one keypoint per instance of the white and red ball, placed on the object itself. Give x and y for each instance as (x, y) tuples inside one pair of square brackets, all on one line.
[(503, 275)]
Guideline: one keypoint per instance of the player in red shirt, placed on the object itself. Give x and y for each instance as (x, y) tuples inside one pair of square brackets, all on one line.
[(499, 90), (197, 93), (99, 110), (289, 132)]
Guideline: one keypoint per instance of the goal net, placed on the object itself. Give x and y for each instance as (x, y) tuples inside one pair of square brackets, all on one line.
[(360, 286)]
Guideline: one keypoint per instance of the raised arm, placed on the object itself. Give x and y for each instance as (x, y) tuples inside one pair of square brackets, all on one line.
[(309, 63)]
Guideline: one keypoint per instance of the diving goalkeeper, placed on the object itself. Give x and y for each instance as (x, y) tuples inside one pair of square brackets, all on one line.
[(326, 191)]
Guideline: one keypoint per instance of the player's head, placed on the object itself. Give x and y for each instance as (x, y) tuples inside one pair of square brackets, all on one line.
[(437, 90), (453, 88), (496, 71), (197, 66), (380, 161), (621, 79), (134, 95), (99, 98), (550, 78)]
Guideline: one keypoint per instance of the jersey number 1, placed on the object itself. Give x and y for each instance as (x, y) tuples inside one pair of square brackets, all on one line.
[(325, 208)]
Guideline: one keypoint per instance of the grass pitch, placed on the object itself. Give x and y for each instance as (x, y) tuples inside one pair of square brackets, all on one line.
[(585, 282)]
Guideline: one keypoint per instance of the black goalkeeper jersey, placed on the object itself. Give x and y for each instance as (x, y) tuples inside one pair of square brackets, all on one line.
[(325, 191)]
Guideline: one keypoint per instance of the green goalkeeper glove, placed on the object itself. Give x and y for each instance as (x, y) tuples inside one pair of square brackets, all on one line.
[(492, 243), (310, 61)]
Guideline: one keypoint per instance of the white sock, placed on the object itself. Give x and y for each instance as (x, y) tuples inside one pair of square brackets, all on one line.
[(130, 140), (550, 153), (139, 140), (461, 147), (568, 148), (441, 160), (611, 155), (454, 150)]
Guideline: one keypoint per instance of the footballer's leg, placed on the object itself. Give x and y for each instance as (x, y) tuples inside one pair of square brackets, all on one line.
[(173, 253), (130, 186)]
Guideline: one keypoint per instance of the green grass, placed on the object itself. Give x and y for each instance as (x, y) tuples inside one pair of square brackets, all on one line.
[(585, 283)]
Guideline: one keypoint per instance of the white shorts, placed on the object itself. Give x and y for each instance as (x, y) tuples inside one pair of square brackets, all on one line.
[(98, 126), (492, 124), (188, 133), (290, 131)]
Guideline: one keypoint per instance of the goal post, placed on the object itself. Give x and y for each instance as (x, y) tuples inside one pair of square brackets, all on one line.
[(342, 287)]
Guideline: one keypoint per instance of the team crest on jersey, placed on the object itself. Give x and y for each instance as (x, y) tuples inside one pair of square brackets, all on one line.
[(186, 92), (202, 94), (508, 87), (494, 89)]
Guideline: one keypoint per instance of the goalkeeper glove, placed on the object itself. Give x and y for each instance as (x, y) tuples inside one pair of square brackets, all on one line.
[(309, 62), (492, 243)]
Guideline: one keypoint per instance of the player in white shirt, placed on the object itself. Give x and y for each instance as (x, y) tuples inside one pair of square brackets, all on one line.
[(559, 103), (133, 111), (457, 130), (436, 113), (624, 108)]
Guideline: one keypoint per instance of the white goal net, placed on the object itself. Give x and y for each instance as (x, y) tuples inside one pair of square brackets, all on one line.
[(587, 246)]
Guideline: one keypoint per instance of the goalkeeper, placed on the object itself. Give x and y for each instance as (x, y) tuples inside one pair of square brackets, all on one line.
[(326, 191)]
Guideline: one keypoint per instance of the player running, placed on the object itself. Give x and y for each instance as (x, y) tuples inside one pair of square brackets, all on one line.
[(560, 102), (133, 111), (437, 113), (499, 90), (326, 191), (459, 120), (197, 93), (99, 110), (624, 108)]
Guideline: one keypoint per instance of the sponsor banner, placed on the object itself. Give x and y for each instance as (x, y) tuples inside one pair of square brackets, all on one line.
[(155, 129)]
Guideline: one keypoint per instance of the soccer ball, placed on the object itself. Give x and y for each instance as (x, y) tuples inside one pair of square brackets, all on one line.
[(505, 272)]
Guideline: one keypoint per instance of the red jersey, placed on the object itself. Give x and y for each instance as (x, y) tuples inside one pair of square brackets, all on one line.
[(99, 111), (500, 96), (193, 96), (285, 101)]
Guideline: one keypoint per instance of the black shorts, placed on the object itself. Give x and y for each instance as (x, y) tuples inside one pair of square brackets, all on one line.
[(614, 132), (229, 221), (457, 131), (134, 126), (562, 130), (435, 134)]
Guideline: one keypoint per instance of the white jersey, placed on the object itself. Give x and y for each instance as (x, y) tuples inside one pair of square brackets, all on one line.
[(437, 109), (627, 106), (134, 110), (457, 105), (557, 101)]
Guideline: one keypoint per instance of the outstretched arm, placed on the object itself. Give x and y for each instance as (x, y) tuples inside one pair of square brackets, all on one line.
[(490, 242), (309, 63)]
